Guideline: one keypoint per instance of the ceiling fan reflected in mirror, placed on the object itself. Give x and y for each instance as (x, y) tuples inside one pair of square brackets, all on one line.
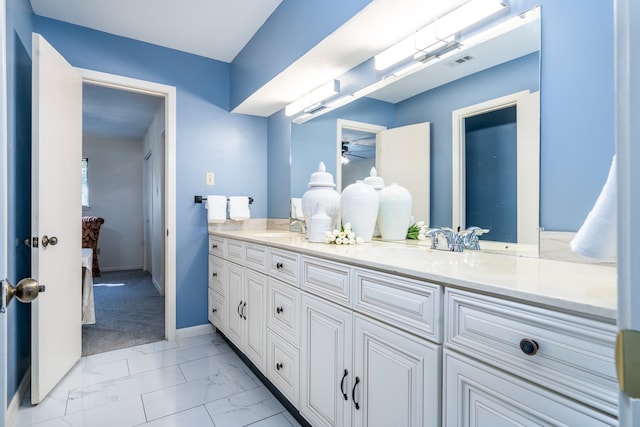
[(354, 151)]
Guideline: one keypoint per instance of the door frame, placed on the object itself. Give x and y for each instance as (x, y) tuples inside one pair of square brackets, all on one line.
[(4, 245), (350, 124), (528, 161), (169, 93)]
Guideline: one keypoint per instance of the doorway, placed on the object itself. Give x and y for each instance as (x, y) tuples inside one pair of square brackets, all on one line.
[(161, 206)]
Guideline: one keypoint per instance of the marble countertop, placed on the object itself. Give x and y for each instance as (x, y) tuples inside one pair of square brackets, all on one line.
[(586, 289)]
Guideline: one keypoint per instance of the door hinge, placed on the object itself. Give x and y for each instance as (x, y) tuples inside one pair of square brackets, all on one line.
[(34, 244), (628, 362)]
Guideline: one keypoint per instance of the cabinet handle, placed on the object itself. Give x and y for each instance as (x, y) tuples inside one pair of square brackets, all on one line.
[(279, 265), (353, 393), (342, 385), (214, 274), (214, 246), (214, 310), (238, 309), (244, 316), (278, 366), (529, 346), (279, 310)]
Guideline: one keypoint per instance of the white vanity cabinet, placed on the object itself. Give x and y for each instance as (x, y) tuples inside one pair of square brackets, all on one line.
[(508, 363), (357, 370), (237, 295)]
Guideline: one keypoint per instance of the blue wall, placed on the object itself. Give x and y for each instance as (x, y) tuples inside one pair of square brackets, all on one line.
[(18, 39), (292, 29), (209, 138)]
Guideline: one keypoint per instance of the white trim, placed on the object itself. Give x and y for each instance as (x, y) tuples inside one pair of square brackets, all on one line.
[(3, 204), (350, 124), (627, 132), (169, 93), (194, 331), (14, 405), (528, 165)]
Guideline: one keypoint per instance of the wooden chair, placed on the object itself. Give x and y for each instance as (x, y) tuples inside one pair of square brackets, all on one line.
[(90, 232)]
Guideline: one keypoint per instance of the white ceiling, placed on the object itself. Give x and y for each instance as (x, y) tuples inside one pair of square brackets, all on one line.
[(216, 29)]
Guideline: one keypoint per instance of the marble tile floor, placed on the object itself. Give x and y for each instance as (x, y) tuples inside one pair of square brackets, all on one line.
[(192, 382)]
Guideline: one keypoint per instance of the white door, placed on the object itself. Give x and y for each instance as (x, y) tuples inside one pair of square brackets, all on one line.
[(403, 156), (326, 375), (399, 377), (56, 212), (627, 13)]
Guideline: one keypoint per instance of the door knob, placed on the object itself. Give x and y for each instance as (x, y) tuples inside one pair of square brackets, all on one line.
[(26, 291), (53, 240)]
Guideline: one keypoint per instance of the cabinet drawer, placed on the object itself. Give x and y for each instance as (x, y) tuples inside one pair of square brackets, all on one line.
[(411, 305), (217, 311), (575, 356), (283, 310), (235, 251), (216, 274), (217, 246), (283, 366), (284, 265), (255, 257), (326, 279), (478, 395)]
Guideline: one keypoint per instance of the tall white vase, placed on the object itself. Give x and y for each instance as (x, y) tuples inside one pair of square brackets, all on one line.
[(395, 212), (359, 206)]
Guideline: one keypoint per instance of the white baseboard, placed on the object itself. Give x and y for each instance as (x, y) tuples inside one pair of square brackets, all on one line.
[(14, 405), (194, 331), (157, 285), (122, 268)]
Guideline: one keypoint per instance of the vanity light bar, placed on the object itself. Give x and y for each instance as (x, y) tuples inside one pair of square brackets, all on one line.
[(439, 34), (314, 98)]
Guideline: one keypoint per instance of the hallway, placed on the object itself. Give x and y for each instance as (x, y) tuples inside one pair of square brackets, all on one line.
[(192, 382)]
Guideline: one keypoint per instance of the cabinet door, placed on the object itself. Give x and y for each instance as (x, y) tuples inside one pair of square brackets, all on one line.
[(253, 316), (481, 396), (397, 375), (217, 311), (234, 276), (325, 363)]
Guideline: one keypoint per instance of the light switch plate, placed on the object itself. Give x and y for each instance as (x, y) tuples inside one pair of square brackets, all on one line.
[(210, 178)]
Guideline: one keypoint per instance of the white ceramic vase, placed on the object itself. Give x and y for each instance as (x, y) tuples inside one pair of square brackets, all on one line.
[(321, 197), (377, 183), (394, 216), (359, 206)]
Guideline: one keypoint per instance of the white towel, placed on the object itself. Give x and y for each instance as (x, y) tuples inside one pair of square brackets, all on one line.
[(239, 208), (216, 209), (296, 208), (597, 237)]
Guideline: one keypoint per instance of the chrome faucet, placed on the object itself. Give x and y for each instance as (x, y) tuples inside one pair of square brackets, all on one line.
[(470, 239), (457, 241), (454, 239)]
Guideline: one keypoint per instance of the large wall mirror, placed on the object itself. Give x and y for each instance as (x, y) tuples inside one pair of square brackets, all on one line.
[(503, 62)]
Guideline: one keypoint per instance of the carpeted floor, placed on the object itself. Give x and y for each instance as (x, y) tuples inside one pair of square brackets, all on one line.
[(129, 311)]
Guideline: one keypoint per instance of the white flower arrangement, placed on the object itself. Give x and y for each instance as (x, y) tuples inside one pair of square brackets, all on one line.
[(345, 236), (417, 231)]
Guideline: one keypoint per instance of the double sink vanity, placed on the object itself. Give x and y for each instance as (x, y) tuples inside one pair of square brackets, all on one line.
[(398, 334)]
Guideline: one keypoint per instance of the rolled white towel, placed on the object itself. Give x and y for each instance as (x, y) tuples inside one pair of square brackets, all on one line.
[(216, 209), (597, 238), (239, 208)]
